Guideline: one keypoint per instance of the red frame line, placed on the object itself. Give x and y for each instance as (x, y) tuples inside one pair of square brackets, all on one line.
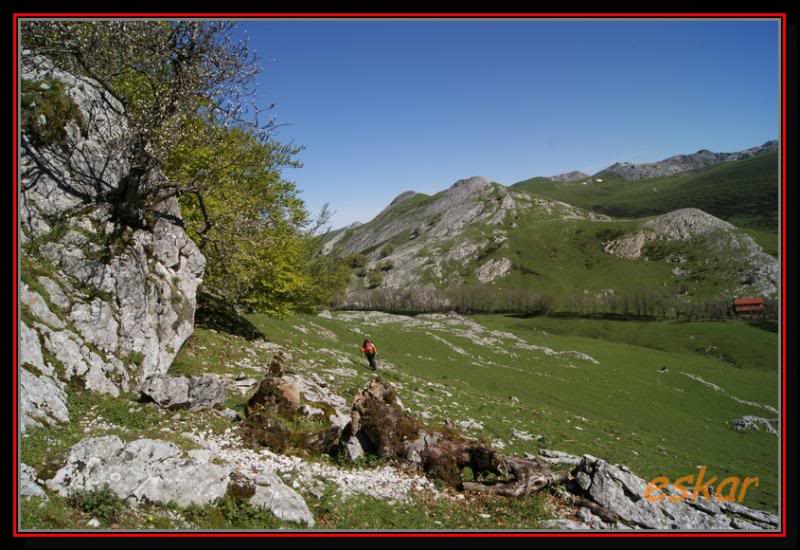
[(410, 15)]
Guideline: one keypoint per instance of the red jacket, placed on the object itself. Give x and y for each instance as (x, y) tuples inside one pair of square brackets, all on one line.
[(369, 348)]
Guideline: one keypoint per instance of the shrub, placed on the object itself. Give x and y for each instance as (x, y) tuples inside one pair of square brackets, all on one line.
[(375, 279), (386, 250), (356, 260), (386, 266), (103, 504)]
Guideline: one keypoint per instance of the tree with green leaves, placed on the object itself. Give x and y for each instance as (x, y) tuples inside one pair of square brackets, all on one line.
[(161, 76), (193, 131)]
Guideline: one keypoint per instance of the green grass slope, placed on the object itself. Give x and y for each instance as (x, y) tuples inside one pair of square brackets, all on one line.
[(622, 408)]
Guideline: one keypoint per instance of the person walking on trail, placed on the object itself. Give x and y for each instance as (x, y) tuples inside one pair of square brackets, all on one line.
[(370, 351)]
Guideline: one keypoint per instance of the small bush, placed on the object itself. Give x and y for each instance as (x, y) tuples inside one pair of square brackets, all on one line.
[(356, 260), (375, 279), (103, 504), (386, 266), (387, 250)]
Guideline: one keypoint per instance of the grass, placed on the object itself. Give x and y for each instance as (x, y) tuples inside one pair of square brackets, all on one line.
[(742, 344), (425, 512)]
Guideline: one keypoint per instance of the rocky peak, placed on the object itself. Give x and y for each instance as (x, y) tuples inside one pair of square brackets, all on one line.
[(575, 175), (402, 197), (472, 183)]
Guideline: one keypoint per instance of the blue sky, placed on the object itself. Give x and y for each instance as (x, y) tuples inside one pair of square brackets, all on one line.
[(388, 106)]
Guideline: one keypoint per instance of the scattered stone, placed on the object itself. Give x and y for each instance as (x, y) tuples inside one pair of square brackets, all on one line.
[(93, 523), (754, 424)]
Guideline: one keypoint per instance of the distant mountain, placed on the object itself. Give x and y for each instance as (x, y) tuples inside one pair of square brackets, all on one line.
[(741, 188), (682, 163), (569, 176)]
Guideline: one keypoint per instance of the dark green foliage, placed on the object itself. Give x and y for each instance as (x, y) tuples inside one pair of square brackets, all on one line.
[(215, 313), (375, 279), (388, 265), (387, 250), (103, 503), (356, 260)]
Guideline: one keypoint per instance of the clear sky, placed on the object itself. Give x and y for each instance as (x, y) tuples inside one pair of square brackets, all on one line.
[(388, 106)]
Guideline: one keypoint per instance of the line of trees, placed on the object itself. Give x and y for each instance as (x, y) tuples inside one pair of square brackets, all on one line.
[(464, 300), (637, 304)]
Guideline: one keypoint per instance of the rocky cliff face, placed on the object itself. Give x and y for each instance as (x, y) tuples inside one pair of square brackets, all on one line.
[(102, 304)]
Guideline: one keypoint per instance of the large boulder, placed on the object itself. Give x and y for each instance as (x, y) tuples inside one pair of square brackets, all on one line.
[(182, 392), (145, 470), (618, 490)]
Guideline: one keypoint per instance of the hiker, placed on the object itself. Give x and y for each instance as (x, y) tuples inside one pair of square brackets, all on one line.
[(370, 351)]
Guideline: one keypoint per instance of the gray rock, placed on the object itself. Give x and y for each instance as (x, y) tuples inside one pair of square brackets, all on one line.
[(30, 350), (177, 392), (145, 293), (28, 483), (353, 448), (94, 522), (56, 294), (570, 176), (42, 399), (38, 307), (754, 424), (618, 490), (230, 414), (558, 457), (562, 524), (285, 503), (749, 513), (144, 470), (493, 269), (96, 323)]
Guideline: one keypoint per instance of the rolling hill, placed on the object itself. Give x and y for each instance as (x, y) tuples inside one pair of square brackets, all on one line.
[(743, 192)]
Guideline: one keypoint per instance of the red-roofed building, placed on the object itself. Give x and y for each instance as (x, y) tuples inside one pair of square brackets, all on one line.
[(748, 306)]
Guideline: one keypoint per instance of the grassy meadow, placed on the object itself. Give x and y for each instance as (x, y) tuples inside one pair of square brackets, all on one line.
[(520, 397)]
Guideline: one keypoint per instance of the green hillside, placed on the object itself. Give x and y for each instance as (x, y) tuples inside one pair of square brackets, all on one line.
[(743, 192)]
